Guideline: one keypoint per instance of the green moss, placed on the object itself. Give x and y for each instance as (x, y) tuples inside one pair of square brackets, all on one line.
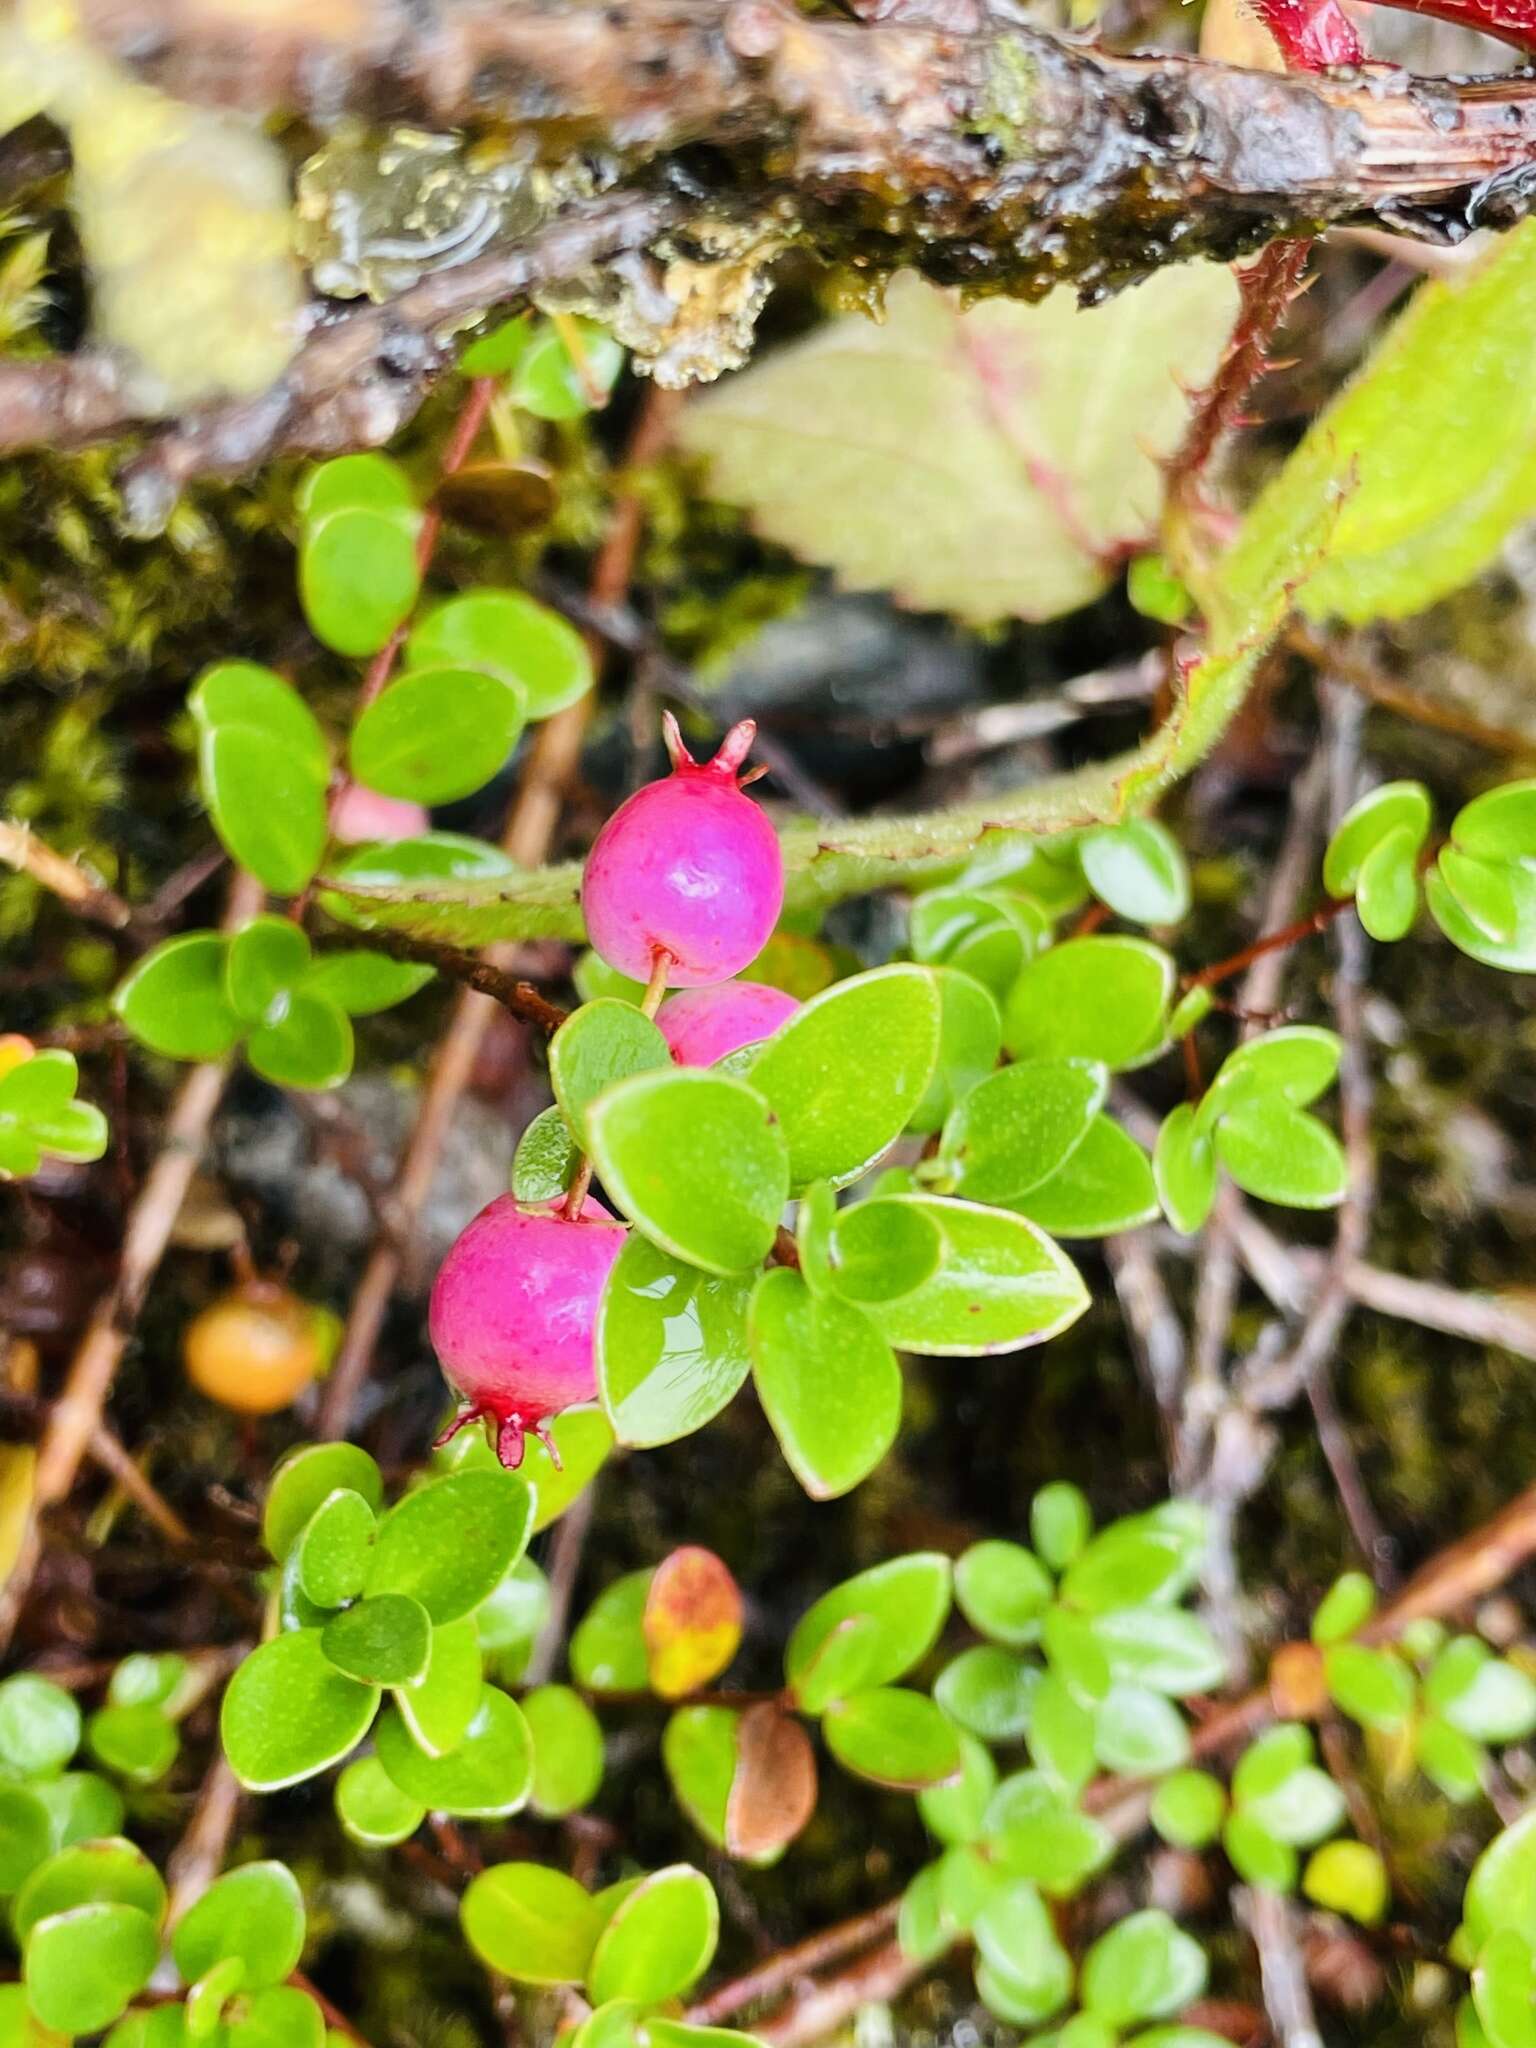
[(1007, 109)]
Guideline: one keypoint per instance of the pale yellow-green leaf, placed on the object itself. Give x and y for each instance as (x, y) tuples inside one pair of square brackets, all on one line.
[(978, 461)]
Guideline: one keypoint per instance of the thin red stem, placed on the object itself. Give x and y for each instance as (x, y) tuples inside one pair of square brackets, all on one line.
[(1271, 942)]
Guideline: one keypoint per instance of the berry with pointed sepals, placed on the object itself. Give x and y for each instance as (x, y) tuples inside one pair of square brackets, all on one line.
[(513, 1312), (688, 866), (255, 1349), (702, 1025)]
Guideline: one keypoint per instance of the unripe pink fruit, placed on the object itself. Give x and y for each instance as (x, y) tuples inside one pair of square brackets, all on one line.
[(703, 1024), (362, 814), (513, 1312), (688, 866)]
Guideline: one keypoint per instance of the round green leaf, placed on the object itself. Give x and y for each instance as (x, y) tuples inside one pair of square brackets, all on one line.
[(1487, 892), (1021, 1125), (893, 1737), (828, 1381), (39, 1727), (1144, 1968), (26, 1837), (534, 1924), (309, 1046), (957, 1812), (489, 1775), (1188, 1808), (111, 1872), (1350, 1878), (1103, 999), (1280, 1154), (1153, 1556), (1105, 1187), (506, 632), (372, 1808), (362, 983), (306, 1477), (970, 1038), (437, 734), (671, 1343), (383, 1640), (334, 1548), (263, 961), (137, 1742), (83, 1967), (1060, 1524), (1161, 1647), (988, 1690), (1295, 1064), (1138, 869), (550, 385), (1387, 893), (846, 1071), (880, 1251), (698, 1750), (1346, 1606), (898, 1610), (173, 1001), (986, 934), (282, 2016), (1500, 824), (1139, 1733), (608, 1650), (1001, 1285), (602, 1042), (567, 1750), (1516, 954), (1501, 1891), (923, 1930), (81, 1807), (1061, 1735), (358, 576), (262, 770), (1036, 1832), (438, 1707), (1374, 1687), (660, 1940), (1390, 808), (695, 1160), (1184, 1169), (450, 1542), (255, 1913), (370, 481), (1003, 1590), (1257, 1856), (289, 1713), (1018, 1944)]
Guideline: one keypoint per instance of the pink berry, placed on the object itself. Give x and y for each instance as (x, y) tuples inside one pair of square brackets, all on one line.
[(513, 1312), (703, 1024), (362, 814), (688, 866)]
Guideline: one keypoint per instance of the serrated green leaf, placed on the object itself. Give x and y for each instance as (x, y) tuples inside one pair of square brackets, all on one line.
[(963, 434)]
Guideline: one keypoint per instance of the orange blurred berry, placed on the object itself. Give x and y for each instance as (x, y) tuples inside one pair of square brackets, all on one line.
[(255, 1350), (13, 1050)]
